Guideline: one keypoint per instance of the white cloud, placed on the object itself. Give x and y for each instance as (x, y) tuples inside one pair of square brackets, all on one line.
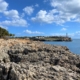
[(63, 29), (8, 13), (13, 19), (37, 5), (33, 32), (63, 11), (3, 5), (28, 10), (43, 16), (12, 14), (68, 9), (48, 17), (14, 22)]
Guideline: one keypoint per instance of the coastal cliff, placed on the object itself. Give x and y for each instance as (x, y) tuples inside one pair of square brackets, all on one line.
[(22, 59)]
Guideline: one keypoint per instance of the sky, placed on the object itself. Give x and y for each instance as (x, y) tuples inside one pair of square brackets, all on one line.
[(41, 17)]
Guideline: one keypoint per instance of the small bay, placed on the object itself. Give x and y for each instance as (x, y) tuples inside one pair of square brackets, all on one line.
[(74, 45)]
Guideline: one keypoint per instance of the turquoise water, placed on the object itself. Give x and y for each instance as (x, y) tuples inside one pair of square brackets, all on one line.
[(74, 46)]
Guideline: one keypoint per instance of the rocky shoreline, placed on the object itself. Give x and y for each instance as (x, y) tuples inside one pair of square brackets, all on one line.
[(22, 59)]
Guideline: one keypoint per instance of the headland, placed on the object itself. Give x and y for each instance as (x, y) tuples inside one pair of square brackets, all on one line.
[(51, 38)]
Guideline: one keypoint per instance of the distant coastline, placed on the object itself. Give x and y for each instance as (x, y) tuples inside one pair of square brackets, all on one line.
[(51, 38)]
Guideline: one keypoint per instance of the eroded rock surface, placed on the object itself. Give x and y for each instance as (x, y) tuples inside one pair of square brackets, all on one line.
[(34, 60)]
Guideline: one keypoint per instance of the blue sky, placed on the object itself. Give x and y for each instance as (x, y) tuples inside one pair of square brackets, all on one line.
[(41, 17)]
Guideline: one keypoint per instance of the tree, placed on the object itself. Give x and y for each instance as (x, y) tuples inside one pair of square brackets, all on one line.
[(11, 35), (4, 33)]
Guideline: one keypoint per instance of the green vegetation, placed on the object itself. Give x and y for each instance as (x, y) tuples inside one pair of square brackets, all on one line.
[(4, 33)]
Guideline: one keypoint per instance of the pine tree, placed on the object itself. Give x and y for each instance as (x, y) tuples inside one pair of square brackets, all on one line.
[(4, 33)]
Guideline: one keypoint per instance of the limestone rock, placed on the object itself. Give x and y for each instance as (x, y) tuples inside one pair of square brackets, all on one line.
[(34, 60)]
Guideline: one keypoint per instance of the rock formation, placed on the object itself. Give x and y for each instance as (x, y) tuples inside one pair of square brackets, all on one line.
[(34, 60)]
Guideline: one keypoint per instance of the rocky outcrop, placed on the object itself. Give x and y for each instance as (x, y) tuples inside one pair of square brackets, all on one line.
[(34, 60)]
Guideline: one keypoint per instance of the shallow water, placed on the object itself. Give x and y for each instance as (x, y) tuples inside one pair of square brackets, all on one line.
[(74, 45)]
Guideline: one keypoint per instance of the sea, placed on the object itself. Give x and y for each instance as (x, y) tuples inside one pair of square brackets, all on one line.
[(74, 45)]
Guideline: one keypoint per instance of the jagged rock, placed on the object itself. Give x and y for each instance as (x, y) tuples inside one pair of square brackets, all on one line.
[(34, 60)]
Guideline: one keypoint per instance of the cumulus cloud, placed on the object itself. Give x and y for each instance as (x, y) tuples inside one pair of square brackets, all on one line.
[(33, 32), (13, 19), (63, 29), (12, 16), (43, 16), (3, 5), (11, 13), (28, 10), (68, 9), (70, 6), (14, 22), (63, 11), (49, 17)]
